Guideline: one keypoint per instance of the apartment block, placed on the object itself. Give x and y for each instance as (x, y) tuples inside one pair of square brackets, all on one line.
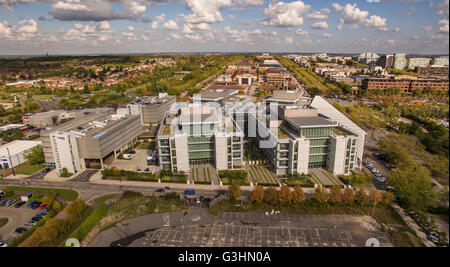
[(400, 61), (405, 85)]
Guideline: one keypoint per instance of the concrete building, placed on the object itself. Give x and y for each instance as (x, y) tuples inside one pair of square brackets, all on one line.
[(88, 142), (368, 58), (400, 61), (285, 97), (433, 70), (48, 118), (214, 95), (386, 61), (13, 154), (245, 78), (199, 134), (405, 85), (415, 62), (440, 61), (301, 139), (151, 111)]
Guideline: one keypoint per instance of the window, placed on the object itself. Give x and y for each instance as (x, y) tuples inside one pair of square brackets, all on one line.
[(316, 132)]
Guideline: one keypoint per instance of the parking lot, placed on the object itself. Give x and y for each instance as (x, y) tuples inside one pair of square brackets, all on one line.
[(137, 161), (256, 229), (17, 217)]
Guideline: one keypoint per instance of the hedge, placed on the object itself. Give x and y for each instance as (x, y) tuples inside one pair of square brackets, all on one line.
[(90, 222)]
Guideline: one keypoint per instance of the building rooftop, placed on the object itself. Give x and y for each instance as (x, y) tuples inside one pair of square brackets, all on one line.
[(16, 147), (216, 94), (311, 122)]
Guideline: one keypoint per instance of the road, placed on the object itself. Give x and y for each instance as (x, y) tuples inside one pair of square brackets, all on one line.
[(90, 190)]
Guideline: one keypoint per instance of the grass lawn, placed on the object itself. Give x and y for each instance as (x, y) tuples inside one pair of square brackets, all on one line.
[(30, 169), (66, 194), (3, 221), (102, 199)]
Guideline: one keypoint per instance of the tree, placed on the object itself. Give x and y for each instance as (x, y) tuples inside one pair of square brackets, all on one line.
[(298, 196), (285, 194), (257, 194), (321, 195), (35, 155), (374, 196), (234, 191), (271, 196), (414, 187), (361, 197), (335, 194), (74, 210), (388, 198), (348, 196)]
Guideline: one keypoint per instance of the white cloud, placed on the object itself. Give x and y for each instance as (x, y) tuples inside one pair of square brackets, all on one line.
[(129, 36), (175, 36), (290, 40), (171, 25), (249, 2), (443, 26), (319, 25), (285, 14), (426, 28), (327, 35), (301, 32), (322, 14), (154, 25), (375, 21), (130, 28), (206, 11)]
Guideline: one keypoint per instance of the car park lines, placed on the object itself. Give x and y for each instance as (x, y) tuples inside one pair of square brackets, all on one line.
[(272, 229)]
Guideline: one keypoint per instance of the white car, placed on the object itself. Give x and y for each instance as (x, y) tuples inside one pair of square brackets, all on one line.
[(126, 156), (3, 245)]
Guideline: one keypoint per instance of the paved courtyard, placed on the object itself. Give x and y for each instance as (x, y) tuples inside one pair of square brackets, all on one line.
[(255, 229)]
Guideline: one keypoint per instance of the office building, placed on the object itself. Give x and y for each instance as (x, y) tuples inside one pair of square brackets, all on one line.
[(405, 85), (88, 142), (151, 110), (400, 61), (386, 61), (415, 62), (304, 138), (13, 154), (368, 58), (199, 134), (43, 119), (440, 61)]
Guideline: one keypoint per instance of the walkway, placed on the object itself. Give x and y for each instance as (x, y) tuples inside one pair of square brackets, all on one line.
[(324, 177)]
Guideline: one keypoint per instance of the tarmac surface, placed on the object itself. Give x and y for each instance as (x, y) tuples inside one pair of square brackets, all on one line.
[(197, 228)]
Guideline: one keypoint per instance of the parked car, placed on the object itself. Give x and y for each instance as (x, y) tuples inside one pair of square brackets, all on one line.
[(132, 152), (126, 156), (37, 218), (19, 204), (46, 170), (21, 230), (42, 206), (167, 188), (25, 183), (31, 223), (3, 203), (10, 202), (3, 245), (32, 203), (189, 192), (159, 190)]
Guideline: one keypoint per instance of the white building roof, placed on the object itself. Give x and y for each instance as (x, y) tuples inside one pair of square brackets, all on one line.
[(17, 147), (326, 109)]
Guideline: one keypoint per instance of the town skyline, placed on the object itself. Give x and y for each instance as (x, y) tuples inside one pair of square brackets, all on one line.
[(35, 27)]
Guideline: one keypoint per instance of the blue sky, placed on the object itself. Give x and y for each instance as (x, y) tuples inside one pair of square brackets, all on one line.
[(137, 26)]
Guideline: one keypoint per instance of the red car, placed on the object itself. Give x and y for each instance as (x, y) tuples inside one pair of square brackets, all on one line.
[(42, 206)]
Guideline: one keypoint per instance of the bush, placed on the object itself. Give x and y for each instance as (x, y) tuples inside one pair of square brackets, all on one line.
[(90, 222)]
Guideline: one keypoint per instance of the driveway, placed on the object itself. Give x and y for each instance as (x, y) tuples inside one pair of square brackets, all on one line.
[(16, 218)]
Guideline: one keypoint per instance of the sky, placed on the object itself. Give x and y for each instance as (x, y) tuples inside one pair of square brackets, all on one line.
[(30, 27)]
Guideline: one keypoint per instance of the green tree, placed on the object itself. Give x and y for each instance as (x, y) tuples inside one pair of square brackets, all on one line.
[(35, 155), (257, 194), (271, 196), (388, 198), (361, 197), (414, 187), (74, 210), (321, 195), (298, 196), (234, 190), (285, 194), (335, 194), (348, 196)]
